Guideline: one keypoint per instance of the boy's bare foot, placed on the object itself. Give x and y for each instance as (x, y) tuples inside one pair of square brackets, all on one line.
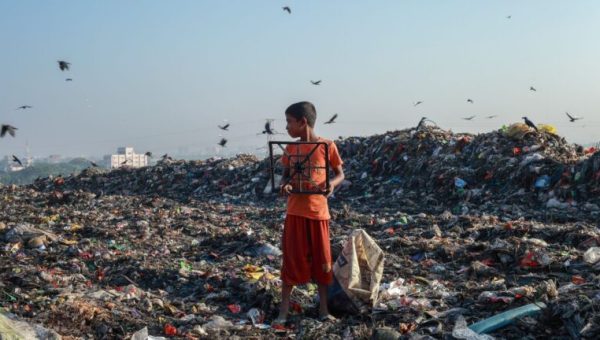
[(326, 317)]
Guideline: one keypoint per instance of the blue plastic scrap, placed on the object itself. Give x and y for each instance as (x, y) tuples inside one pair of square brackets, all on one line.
[(506, 318)]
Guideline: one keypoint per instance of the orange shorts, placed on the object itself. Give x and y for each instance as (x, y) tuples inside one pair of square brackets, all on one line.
[(306, 251)]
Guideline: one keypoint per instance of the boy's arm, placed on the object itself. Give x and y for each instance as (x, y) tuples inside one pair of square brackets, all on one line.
[(284, 188), (336, 180)]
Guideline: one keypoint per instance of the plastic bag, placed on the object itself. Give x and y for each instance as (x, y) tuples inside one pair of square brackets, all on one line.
[(357, 273)]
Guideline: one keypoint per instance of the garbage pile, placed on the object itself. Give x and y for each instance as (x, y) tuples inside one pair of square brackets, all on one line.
[(505, 168), (191, 249), (511, 171)]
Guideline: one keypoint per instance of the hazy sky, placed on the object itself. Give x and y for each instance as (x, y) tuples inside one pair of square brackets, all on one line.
[(160, 75)]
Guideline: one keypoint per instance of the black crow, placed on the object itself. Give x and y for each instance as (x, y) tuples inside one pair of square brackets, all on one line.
[(268, 130), (332, 119), (530, 123), (17, 160), (318, 82), (287, 9), (223, 142), (7, 129), (571, 118), (63, 65), (224, 127)]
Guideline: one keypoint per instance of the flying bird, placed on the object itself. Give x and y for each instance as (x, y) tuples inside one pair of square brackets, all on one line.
[(571, 118), (7, 129), (268, 130), (318, 82), (508, 16), (492, 116), (530, 123), (224, 127), (418, 103), (124, 162), (469, 118), (24, 107), (69, 79), (148, 154), (223, 142), (63, 65), (531, 88), (287, 9), (94, 164), (470, 101), (332, 119), (17, 160)]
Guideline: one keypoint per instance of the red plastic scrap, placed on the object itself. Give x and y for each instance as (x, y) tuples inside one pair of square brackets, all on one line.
[(578, 280), (516, 151), (234, 308), (528, 261), (170, 330), (488, 262)]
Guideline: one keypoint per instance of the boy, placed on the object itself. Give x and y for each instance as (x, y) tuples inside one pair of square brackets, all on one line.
[(305, 241)]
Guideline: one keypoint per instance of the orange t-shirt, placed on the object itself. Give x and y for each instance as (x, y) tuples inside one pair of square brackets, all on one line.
[(312, 206)]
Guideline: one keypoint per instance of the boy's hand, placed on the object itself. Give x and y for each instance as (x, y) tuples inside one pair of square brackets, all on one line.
[(285, 190), (329, 190)]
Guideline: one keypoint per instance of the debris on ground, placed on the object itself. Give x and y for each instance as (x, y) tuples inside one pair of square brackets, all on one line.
[(471, 226)]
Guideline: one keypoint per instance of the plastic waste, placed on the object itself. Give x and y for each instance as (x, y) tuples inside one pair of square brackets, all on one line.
[(503, 319), (459, 183), (592, 255), (216, 323), (542, 182), (461, 331), (12, 328)]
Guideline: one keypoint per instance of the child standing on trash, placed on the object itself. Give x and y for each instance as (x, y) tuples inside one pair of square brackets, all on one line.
[(305, 241)]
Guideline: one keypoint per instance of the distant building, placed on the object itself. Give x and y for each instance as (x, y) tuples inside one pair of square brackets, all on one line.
[(126, 157)]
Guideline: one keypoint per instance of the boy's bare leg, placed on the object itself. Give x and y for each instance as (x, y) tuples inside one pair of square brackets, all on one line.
[(323, 310), (286, 291)]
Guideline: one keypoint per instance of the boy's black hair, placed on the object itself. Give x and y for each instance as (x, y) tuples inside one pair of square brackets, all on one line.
[(303, 110)]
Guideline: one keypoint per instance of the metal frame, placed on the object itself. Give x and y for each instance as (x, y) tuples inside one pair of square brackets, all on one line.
[(298, 172)]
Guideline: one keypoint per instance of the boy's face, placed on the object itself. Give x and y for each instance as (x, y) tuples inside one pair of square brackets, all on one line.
[(295, 127)]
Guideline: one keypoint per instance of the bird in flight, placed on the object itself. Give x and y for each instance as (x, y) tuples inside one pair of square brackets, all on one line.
[(508, 16), (148, 154), (530, 123), (69, 79), (531, 88), (287, 9), (469, 118), (224, 127), (470, 101), (24, 107), (332, 119), (17, 160), (223, 142), (7, 129), (318, 82), (94, 164), (124, 162), (268, 130), (418, 103), (571, 118), (492, 116), (63, 65)]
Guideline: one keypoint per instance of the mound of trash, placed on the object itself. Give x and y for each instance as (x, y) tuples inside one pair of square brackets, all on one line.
[(429, 169)]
